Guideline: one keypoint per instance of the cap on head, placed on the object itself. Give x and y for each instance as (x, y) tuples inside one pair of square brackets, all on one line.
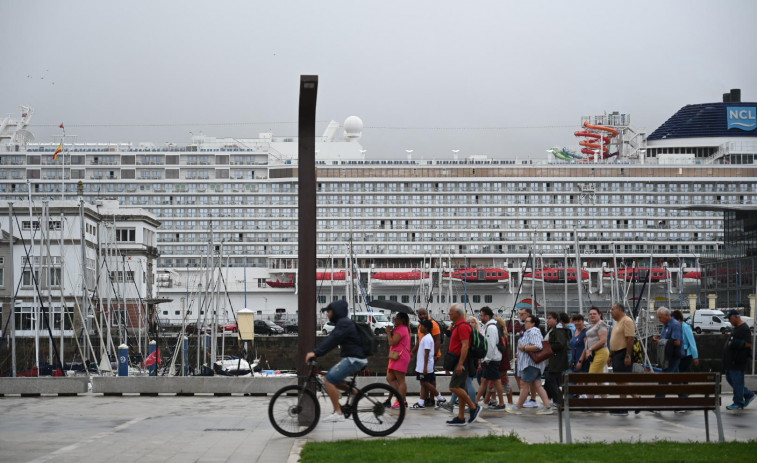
[(732, 312)]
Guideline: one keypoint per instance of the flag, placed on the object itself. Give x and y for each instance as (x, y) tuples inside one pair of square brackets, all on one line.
[(61, 125), (57, 151), (150, 360)]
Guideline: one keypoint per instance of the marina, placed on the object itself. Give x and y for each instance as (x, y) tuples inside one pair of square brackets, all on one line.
[(205, 229)]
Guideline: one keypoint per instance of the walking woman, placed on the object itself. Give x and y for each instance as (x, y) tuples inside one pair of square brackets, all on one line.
[(578, 344), (596, 350), (399, 342), (530, 377)]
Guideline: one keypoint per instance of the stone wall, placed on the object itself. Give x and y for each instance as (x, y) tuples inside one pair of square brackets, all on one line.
[(279, 353)]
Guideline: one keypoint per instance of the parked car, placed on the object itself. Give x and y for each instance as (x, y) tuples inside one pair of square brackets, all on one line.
[(228, 327), (267, 327), (327, 328), (376, 320), (289, 325), (191, 328)]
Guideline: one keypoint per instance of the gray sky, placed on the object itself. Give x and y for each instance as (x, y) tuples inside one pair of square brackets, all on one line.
[(500, 78)]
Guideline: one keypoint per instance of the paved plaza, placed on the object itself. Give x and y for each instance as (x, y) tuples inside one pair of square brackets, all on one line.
[(97, 428)]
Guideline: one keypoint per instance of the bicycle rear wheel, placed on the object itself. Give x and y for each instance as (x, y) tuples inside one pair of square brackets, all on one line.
[(294, 411), (372, 416)]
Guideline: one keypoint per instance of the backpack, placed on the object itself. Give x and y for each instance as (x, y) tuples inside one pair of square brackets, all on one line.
[(501, 340), (441, 331), (367, 339), (478, 344)]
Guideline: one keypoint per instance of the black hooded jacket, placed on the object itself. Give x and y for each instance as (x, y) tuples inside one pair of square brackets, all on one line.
[(345, 334)]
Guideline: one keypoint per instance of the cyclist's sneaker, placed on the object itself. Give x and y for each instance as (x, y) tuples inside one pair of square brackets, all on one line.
[(335, 418), (474, 414), (447, 407), (396, 404), (530, 403), (514, 410), (417, 406), (544, 411), (456, 421), (388, 403)]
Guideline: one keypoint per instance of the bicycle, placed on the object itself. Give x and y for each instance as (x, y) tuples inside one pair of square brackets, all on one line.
[(295, 410)]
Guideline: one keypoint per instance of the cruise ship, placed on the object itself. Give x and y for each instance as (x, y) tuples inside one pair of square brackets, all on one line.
[(426, 233)]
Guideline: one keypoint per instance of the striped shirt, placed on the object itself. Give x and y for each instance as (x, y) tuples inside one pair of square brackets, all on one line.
[(532, 337)]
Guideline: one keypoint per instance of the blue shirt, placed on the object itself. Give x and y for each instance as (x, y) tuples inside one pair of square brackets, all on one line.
[(672, 330), (689, 344), (577, 345)]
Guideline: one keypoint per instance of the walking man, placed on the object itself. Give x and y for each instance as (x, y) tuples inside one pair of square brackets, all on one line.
[(621, 345), (490, 365), (459, 344), (736, 357)]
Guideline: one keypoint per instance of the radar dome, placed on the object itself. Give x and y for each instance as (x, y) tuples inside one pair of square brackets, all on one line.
[(353, 128)]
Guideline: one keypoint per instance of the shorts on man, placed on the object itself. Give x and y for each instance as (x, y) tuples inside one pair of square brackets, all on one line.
[(427, 378), (458, 381), (490, 370), (346, 367)]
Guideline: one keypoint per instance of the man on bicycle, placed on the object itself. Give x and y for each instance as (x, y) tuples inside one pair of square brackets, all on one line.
[(346, 336)]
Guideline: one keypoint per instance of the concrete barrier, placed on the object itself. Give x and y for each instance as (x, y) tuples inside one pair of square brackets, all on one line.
[(223, 385), (43, 386)]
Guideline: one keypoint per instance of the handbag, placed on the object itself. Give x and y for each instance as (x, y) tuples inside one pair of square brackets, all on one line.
[(542, 355), (450, 361), (394, 354)]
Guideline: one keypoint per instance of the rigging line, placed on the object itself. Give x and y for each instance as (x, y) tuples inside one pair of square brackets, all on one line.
[(78, 307), (45, 314), (514, 127)]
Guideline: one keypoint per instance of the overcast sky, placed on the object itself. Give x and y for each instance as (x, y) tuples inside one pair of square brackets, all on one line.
[(499, 78)]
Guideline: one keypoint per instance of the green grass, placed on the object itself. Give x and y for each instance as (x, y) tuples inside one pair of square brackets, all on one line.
[(510, 448)]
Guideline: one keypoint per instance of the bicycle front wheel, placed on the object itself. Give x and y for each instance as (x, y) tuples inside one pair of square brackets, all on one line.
[(372, 416), (294, 411)]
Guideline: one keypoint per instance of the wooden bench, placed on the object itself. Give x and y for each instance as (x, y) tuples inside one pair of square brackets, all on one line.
[(703, 390)]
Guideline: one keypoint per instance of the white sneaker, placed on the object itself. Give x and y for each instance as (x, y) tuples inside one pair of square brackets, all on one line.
[(530, 404), (335, 418)]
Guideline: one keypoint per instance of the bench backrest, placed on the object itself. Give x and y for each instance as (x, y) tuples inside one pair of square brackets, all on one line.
[(703, 390)]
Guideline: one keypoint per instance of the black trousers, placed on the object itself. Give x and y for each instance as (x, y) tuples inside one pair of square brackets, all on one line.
[(552, 385)]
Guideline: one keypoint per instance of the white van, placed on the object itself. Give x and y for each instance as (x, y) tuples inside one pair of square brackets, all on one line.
[(377, 320), (710, 320)]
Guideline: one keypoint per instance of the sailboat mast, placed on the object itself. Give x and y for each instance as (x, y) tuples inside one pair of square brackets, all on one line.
[(12, 266), (579, 275)]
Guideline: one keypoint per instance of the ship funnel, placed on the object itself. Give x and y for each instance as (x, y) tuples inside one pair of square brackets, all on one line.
[(726, 98), (735, 95)]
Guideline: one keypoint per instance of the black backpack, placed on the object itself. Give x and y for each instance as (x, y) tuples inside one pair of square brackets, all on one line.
[(367, 339), (501, 340), (441, 331)]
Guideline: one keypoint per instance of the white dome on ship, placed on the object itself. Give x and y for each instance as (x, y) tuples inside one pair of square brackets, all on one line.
[(353, 128)]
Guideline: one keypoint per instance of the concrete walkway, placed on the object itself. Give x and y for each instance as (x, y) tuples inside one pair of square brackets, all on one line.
[(97, 428)]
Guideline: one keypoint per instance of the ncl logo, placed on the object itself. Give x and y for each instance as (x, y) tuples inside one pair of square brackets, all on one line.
[(742, 118)]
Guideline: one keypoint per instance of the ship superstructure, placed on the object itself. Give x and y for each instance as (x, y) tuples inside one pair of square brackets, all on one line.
[(235, 200)]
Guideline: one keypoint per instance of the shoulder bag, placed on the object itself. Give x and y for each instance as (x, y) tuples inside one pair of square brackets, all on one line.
[(542, 355)]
